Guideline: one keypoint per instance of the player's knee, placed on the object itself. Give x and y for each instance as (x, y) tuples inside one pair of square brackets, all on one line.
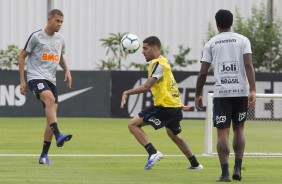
[(49, 101), (131, 126)]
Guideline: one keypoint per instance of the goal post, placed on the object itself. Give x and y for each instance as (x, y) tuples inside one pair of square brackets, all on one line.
[(267, 109)]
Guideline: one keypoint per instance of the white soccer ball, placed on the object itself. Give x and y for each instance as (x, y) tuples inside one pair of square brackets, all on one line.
[(130, 43)]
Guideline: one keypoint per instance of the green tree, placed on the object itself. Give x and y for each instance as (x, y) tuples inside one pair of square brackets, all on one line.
[(114, 52), (180, 59), (265, 35), (116, 55), (9, 57)]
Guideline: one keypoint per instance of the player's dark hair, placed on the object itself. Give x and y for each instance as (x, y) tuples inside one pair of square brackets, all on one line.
[(224, 19), (54, 12), (154, 41)]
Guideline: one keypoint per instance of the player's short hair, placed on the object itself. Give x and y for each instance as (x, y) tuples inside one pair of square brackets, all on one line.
[(54, 12), (224, 19), (153, 40)]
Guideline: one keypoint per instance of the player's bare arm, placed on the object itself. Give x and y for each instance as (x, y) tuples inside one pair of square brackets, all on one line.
[(21, 62), (68, 77), (251, 79), (140, 89), (200, 83)]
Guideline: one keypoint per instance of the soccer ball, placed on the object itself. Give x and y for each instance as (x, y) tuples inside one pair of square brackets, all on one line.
[(130, 43)]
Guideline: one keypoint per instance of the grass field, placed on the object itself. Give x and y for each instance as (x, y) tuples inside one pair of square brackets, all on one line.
[(103, 151)]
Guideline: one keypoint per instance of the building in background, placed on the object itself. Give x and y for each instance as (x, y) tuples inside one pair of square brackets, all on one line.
[(175, 22)]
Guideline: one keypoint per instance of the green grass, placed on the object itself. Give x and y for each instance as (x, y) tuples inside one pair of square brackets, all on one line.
[(111, 137)]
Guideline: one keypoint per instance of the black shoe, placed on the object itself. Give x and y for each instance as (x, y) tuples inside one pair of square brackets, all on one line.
[(236, 174), (224, 179)]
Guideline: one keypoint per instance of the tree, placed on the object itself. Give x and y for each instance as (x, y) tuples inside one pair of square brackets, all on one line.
[(116, 55), (114, 51), (265, 36), (9, 57), (180, 59)]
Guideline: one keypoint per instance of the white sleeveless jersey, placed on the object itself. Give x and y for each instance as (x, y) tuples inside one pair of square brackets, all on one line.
[(44, 53), (225, 52)]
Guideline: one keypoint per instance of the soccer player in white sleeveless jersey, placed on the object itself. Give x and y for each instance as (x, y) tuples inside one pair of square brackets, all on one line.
[(44, 51), (234, 90)]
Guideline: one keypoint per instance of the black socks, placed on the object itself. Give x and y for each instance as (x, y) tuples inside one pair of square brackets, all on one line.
[(55, 129), (150, 149), (193, 161), (224, 168), (238, 163), (46, 146)]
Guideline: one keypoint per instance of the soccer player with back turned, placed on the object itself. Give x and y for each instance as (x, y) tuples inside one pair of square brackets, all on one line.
[(234, 90), (167, 109), (44, 51)]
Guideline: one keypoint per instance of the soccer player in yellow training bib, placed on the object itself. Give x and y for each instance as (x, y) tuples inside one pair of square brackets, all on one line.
[(167, 109)]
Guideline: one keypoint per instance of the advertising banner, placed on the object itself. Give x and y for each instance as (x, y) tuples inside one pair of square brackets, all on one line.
[(98, 94), (121, 81), (88, 97)]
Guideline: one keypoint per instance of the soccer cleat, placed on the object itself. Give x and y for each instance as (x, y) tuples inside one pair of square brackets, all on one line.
[(223, 179), (199, 167), (236, 174), (44, 160), (62, 139), (152, 159)]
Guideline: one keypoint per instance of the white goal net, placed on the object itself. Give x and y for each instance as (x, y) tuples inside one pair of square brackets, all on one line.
[(263, 128)]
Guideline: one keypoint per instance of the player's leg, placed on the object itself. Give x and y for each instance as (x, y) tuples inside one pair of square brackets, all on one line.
[(222, 121), (49, 98), (223, 151), (48, 135), (239, 147), (38, 86), (135, 127), (184, 147), (151, 117), (239, 117)]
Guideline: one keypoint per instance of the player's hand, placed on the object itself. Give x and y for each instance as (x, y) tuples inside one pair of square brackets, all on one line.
[(186, 107), (123, 99), (23, 88), (251, 99), (199, 103), (68, 78)]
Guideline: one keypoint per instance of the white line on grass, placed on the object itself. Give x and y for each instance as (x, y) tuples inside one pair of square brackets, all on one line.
[(81, 155), (131, 155)]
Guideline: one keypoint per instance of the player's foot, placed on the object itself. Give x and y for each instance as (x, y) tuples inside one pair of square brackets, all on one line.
[(199, 167), (152, 159), (236, 174), (44, 160), (62, 139), (223, 179)]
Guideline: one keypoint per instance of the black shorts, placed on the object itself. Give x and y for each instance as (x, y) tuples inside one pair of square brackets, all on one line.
[(159, 117), (39, 85), (229, 108)]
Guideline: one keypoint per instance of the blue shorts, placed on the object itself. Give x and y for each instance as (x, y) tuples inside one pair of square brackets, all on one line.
[(159, 117)]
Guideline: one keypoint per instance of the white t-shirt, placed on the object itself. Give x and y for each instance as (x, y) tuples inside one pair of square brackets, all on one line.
[(225, 52)]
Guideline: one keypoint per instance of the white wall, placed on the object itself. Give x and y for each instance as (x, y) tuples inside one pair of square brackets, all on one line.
[(86, 21)]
